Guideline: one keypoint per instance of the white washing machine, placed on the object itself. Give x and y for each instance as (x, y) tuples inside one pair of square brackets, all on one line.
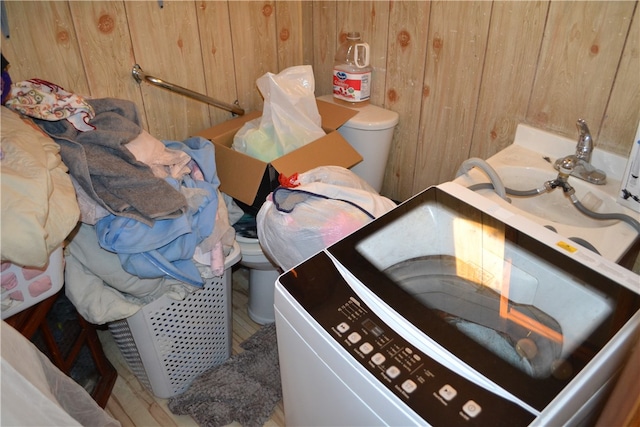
[(451, 311)]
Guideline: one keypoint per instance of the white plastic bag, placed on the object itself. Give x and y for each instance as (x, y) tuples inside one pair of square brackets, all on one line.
[(330, 203), (290, 117)]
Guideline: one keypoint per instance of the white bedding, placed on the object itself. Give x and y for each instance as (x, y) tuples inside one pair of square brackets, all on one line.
[(36, 393)]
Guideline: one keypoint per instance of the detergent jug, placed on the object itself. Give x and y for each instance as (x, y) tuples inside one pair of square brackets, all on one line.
[(352, 71)]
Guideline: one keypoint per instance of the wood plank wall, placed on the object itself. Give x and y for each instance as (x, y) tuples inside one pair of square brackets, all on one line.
[(461, 75)]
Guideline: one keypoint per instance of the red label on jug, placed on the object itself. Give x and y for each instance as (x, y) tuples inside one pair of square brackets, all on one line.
[(351, 87)]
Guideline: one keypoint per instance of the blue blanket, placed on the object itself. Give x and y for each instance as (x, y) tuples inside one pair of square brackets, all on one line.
[(166, 247)]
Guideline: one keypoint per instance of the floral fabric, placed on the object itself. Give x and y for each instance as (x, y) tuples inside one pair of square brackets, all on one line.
[(48, 101)]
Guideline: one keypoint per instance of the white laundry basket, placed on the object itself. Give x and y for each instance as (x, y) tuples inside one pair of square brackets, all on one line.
[(168, 343)]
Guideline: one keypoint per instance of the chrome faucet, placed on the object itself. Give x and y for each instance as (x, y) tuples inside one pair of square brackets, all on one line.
[(581, 160), (585, 142)]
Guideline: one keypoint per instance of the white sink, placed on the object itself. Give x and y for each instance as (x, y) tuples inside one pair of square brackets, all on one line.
[(555, 205), (528, 163)]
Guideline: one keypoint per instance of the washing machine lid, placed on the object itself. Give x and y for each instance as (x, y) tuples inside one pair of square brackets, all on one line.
[(497, 293), (369, 117)]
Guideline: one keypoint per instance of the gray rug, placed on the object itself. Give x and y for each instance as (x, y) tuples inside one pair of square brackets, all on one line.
[(246, 388)]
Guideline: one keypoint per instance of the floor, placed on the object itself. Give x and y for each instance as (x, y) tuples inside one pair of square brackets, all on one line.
[(133, 405)]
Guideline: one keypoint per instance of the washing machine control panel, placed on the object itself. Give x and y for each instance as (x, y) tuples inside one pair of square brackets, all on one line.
[(433, 391), (439, 395)]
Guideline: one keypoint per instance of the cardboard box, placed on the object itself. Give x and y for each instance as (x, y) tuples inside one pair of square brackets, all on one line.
[(250, 180)]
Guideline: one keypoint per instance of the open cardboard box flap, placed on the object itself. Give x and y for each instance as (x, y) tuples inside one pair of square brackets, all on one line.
[(250, 180)]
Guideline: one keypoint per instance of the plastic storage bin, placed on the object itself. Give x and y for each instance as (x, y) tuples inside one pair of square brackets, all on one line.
[(168, 343), (23, 287)]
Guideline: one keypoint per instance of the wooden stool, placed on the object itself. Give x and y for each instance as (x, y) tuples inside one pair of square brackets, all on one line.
[(70, 342)]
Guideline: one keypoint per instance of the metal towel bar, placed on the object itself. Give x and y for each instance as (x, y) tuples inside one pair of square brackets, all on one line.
[(140, 75)]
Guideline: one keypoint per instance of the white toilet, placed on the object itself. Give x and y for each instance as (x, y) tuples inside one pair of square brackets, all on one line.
[(262, 279), (370, 132)]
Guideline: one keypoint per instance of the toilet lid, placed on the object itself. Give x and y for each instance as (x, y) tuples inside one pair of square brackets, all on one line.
[(369, 117)]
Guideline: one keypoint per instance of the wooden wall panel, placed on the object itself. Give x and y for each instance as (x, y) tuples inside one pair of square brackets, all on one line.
[(253, 31), (580, 53), (171, 54), (103, 32), (44, 45), (307, 38), (617, 133), (325, 43), (405, 65), (217, 56), (508, 74), (584, 56), (290, 34), (456, 47)]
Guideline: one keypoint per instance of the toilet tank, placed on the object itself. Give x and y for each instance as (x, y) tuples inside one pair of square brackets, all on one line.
[(370, 132)]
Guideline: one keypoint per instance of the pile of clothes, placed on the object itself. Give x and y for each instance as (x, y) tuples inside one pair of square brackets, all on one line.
[(152, 221)]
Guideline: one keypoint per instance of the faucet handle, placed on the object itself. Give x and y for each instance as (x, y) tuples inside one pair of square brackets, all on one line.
[(583, 129), (585, 141)]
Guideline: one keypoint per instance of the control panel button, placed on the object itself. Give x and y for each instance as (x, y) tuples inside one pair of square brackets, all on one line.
[(378, 359), (366, 348), (393, 371), (472, 409), (354, 337), (343, 327), (447, 392), (409, 386)]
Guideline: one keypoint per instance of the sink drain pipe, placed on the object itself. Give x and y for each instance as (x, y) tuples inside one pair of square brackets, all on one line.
[(509, 191), (595, 215), (496, 182)]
